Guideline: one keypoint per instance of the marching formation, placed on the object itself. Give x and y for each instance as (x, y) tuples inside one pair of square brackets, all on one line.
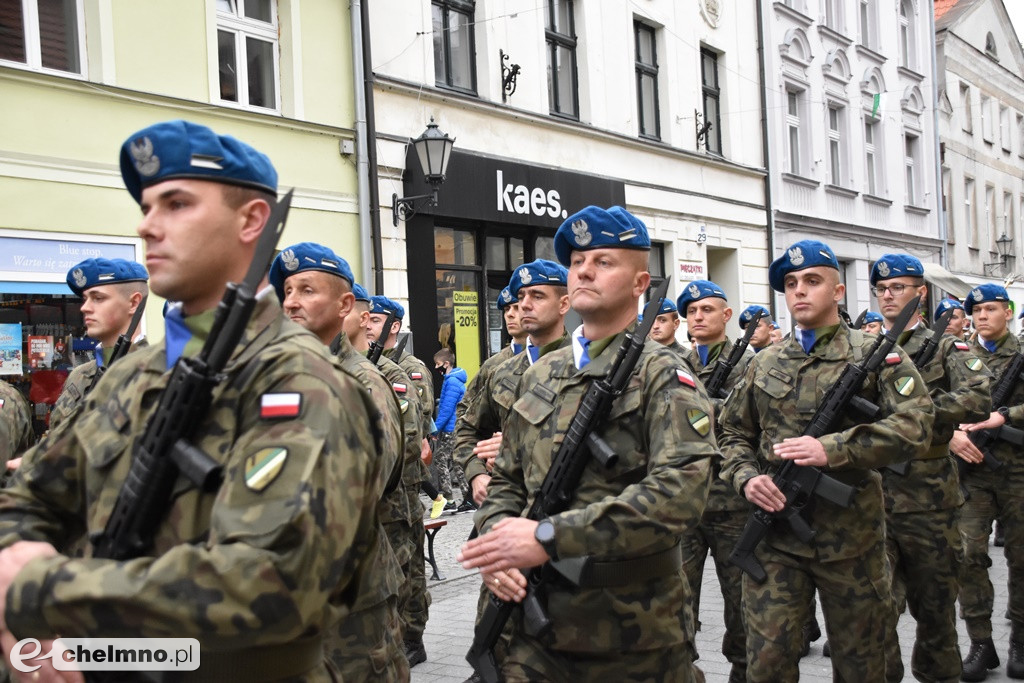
[(253, 479)]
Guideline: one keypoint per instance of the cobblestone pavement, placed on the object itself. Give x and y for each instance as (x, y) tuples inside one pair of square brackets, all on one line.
[(453, 612)]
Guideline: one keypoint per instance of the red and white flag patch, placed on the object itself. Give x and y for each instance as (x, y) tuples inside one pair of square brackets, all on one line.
[(961, 346), (892, 359), (280, 405), (685, 378), (416, 375), (399, 388)]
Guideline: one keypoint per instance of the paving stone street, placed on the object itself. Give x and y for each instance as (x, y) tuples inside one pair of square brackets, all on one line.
[(453, 611)]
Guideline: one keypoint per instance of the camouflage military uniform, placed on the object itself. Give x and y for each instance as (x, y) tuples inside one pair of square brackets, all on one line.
[(469, 428), (16, 432), (258, 570), (78, 382), (414, 614), (777, 396), (628, 516), (922, 511), (720, 528), (367, 642), (678, 348), (995, 494)]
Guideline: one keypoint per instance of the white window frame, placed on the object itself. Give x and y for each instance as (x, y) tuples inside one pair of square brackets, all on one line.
[(836, 143), (947, 204), (832, 15), (971, 212), (986, 118), (913, 168), (1020, 135), (907, 35), (794, 128), (966, 108), (867, 18), (33, 48), (1007, 215), (244, 27), (874, 151), (1004, 128)]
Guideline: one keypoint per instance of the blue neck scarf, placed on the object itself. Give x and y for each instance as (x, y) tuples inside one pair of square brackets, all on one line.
[(176, 335)]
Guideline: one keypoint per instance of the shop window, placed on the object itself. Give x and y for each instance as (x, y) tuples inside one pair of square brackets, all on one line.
[(454, 247), (656, 267), (43, 35)]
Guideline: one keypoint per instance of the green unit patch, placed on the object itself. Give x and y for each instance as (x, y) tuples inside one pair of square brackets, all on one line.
[(905, 386), (263, 467), (404, 404), (974, 364), (699, 420)]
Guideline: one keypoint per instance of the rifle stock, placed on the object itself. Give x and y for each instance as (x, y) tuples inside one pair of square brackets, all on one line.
[(720, 375), (377, 347)]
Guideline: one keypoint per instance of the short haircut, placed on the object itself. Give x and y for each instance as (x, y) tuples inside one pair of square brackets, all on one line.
[(444, 356), (126, 289), (236, 195)]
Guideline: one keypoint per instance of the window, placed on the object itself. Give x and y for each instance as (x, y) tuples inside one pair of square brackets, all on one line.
[(947, 202), (1007, 226), (965, 107), (970, 213), (868, 23), (990, 46), (986, 118), (454, 47), (44, 35), (913, 168), (990, 216), (836, 143), (561, 43), (1020, 134), (646, 81), (1004, 128), (794, 134), (834, 15), (907, 36), (872, 157), (247, 50), (712, 96)]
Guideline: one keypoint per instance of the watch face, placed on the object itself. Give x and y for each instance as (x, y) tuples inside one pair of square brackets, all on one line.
[(545, 532)]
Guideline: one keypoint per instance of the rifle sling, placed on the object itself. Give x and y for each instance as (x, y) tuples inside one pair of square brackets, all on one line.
[(587, 572)]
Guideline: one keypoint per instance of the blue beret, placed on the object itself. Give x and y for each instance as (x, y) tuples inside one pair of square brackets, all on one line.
[(667, 306), (750, 311), (360, 292), (101, 271), (539, 272), (597, 228), (896, 265), (802, 255), (504, 299), (306, 256), (697, 290), (775, 326), (945, 305), (985, 293), (181, 149), (872, 317), (383, 305)]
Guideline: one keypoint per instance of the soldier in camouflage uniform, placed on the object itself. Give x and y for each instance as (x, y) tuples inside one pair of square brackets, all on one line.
[(261, 568), (111, 291), (705, 308), (472, 437), (315, 287), (922, 506), (16, 434), (957, 321), (665, 327), (414, 610), (625, 622), (762, 424), (762, 338), (992, 494)]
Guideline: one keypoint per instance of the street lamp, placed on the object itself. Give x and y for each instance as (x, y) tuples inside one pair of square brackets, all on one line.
[(1004, 246), (434, 149)]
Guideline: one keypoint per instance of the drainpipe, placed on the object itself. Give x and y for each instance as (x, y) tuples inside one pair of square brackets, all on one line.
[(765, 148), (935, 122)]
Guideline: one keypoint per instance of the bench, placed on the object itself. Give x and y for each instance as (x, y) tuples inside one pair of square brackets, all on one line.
[(432, 526)]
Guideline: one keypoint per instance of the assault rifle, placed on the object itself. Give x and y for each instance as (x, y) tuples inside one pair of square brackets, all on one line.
[(859, 322), (799, 482), (164, 449), (581, 444), (924, 356), (986, 438), (377, 347), (401, 346), (121, 347), (723, 368)]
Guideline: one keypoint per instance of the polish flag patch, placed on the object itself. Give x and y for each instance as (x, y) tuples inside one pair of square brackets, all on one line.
[(280, 405), (961, 346), (399, 388), (892, 359), (416, 375), (685, 378)]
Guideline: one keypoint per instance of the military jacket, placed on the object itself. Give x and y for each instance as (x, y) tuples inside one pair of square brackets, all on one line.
[(660, 427), (412, 417), (780, 392), (270, 557), (722, 496), (959, 386), (16, 433), (997, 363), (419, 375), (471, 415), (678, 348), (78, 382)]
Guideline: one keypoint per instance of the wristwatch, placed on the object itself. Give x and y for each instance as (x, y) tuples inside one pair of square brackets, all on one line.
[(545, 535), (1005, 412)]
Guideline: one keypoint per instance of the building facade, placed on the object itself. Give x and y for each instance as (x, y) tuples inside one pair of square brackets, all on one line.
[(981, 129), (852, 132), (654, 106)]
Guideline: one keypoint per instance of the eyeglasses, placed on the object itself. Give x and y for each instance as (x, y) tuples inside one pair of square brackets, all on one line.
[(896, 289)]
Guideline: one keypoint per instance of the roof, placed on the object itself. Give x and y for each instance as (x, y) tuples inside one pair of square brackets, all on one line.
[(943, 6)]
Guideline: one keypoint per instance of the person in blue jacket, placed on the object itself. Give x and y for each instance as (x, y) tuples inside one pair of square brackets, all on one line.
[(452, 390)]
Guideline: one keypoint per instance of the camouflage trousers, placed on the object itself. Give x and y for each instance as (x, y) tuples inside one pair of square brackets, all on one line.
[(414, 598), (448, 471), (718, 533), (855, 599), (529, 661), (992, 496), (367, 646), (924, 551)]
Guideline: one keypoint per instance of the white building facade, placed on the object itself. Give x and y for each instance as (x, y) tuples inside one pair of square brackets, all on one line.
[(981, 127), (609, 100), (852, 133)]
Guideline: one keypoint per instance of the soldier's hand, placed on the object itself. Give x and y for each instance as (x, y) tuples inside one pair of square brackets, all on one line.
[(762, 492), (509, 544), (13, 463), (426, 454), (479, 485), (12, 560), (960, 446), (994, 420), (802, 450), (45, 673), (487, 449), (508, 585)]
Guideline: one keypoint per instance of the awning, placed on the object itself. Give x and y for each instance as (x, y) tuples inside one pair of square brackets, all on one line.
[(940, 277)]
